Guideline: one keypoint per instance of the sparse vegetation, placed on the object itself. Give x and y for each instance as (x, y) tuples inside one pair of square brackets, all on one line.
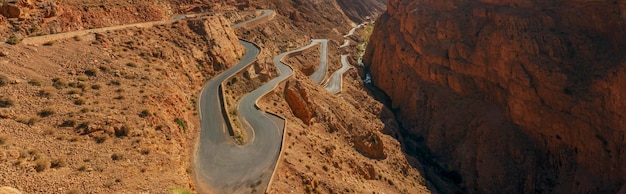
[(116, 82), (144, 114), (91, 72), (96, 86), (100, 138), (58, 163), (26, 120), (68, 123), (42, 164), (6, 102), (34, 82), (50, 43), (47, 111), (59, 83), (13, 40), (47, 92), (4, 80), (79, 101), (177, 190), (122, 131), (181, 123), (117, 156), (3, 139)]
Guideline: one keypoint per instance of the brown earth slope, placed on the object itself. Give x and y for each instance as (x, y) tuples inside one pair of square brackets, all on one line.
[(519, 96), (111, 112)]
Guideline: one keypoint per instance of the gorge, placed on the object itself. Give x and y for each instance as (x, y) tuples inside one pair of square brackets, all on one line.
[(514, 96)]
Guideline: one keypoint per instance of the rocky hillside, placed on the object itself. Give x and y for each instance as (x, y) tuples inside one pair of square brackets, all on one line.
[(108, 112), (358, 11), (515, 96)]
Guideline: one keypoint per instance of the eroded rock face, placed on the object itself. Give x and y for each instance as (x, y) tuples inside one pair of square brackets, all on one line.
[(370, 145), (10, 10), (299, 102), (517, 95)]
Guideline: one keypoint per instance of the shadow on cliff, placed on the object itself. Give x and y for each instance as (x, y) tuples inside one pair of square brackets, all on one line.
[(440, 178)]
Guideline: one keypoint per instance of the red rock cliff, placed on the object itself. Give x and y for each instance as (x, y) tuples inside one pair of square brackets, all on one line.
[(519, 96)]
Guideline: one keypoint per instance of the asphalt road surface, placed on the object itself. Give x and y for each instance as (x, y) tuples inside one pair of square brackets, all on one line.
[(320, 74), (220, 165), (335, 82)]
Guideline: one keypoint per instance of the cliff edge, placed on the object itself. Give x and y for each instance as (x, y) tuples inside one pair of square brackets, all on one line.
[(518, 96)]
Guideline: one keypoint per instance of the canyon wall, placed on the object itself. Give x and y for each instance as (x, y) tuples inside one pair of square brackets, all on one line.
[(518, 96)]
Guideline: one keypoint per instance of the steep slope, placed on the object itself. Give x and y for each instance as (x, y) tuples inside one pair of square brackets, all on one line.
[(359, 11), (518, 96), (109, 112)]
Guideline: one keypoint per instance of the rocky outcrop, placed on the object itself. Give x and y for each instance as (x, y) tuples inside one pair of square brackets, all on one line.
[(51, 9), (211, 29), (298, 100), (519, 96), (10, 9), (370, 145)]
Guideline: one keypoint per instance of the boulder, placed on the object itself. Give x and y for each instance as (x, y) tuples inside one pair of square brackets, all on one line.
[(298, 101), (10, 10)]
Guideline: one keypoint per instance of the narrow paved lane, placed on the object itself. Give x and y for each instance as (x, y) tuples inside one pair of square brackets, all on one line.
[(266, 13), (320, 74), (220, 165), (336, 80)]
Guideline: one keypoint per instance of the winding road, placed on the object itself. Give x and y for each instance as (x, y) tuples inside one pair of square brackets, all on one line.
[(266, 14), (336, 81), (320, 74), (220, 165), (345, 43)]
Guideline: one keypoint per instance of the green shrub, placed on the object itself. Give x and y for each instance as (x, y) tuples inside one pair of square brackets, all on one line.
[(13, 40), (181, 123)]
